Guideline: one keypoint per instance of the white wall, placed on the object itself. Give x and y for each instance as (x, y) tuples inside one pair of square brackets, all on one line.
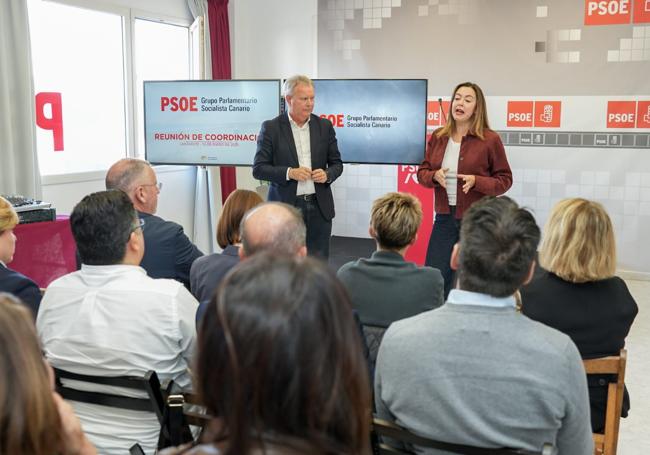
[(272, 40), (176, 201)]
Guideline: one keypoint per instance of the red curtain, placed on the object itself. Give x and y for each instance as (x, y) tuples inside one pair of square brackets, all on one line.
[(220, 45)]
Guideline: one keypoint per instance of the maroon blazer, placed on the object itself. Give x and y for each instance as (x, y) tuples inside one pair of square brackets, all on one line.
[(484, 158)]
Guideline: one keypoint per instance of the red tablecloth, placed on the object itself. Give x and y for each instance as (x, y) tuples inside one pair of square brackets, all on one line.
[(45, 250)]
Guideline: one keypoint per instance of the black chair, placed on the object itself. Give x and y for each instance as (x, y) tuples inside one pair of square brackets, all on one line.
[(383, 428), (373, 334), (156, 400)]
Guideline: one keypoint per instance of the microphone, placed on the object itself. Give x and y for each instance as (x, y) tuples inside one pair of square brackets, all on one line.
[(442, 111)]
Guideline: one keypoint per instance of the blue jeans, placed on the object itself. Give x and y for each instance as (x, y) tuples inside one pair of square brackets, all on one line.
[(445, 234), (319, 230)]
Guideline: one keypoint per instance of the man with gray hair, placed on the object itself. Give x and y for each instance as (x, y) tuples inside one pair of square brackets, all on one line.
[(273, 226), (298, 153), (168, 251)]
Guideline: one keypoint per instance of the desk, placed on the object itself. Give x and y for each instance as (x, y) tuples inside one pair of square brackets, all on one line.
[(45, 251)]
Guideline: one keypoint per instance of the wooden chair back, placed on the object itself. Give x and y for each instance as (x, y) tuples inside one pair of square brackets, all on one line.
[(383, 428), (606, 443)]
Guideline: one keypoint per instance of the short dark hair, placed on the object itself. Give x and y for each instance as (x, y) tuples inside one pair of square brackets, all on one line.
[(498, 243), (279, 354), (101, 225)]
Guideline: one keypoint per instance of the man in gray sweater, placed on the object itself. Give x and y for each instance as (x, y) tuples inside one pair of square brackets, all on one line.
[(476, 371)]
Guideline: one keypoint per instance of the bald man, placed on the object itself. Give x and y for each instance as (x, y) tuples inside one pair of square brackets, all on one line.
[(273, 226), (168, 251)]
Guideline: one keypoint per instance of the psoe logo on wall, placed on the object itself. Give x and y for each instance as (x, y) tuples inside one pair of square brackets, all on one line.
[(537, 114), (547, 114), (434, 116), (621, 114), (605, 12), (643, 114), (520, 114), (628, 114)]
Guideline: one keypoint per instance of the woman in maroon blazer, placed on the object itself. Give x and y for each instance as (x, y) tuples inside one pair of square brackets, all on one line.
[(464, 161)]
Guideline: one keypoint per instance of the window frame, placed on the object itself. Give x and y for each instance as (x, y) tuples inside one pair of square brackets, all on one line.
[(128, 16)]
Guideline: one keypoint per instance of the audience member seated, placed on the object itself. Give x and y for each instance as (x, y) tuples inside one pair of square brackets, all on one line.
[(168, 253), (11, 281), (279, 363), (386, 288), (477, 372), (208, 271), (34, 420), (577, 293), (111, 319), (271, 226)]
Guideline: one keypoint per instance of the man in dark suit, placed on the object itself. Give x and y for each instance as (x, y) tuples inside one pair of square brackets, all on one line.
[(298, 153), (168, 251)]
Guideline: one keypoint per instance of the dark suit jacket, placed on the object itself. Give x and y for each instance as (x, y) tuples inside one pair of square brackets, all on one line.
[(168, 253), (208, 271), (597, 315), (386, 288), (22, 287), (276, 152)]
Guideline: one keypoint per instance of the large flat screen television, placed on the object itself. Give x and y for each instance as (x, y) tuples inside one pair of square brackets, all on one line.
[(377, 121), (206, 122)]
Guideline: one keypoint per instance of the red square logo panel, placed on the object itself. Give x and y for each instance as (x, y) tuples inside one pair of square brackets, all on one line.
[(643, 114), (547, 114), (641, 12), (606, 12), (520, 114), (621, 114)]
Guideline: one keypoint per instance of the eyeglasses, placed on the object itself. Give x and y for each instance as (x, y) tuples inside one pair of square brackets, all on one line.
[(140, 225), (157, 185)]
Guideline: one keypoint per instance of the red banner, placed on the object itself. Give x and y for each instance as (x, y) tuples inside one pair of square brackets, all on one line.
[(407, 182)]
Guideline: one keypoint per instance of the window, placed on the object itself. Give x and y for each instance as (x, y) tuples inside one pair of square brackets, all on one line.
[(161, 53), (88, 75)]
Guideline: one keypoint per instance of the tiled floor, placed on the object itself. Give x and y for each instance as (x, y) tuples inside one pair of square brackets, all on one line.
[(634, 433)]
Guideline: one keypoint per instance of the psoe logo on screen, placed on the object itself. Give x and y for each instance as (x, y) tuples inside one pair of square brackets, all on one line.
[(336, 119), (434, 116), (520, 114), (178, 103), (547, 114), (605, 12), (621, 114)]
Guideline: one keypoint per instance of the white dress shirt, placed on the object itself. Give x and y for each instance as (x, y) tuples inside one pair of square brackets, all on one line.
[(114, 320), (303, 146), (450, 160)]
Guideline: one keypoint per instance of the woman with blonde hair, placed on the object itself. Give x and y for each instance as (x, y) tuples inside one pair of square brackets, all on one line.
[(464, 161), (11, 281), (577, 292), (208, 271), (34, 420)]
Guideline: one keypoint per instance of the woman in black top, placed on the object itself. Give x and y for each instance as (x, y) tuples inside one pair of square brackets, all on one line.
[(577, 293)]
